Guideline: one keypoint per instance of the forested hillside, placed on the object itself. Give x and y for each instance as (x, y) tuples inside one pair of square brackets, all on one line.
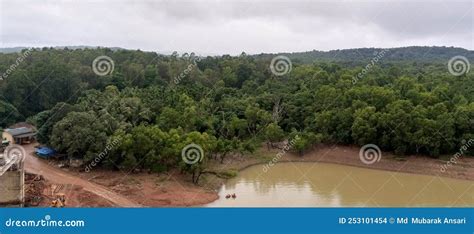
[(154, 105), (418, 54)]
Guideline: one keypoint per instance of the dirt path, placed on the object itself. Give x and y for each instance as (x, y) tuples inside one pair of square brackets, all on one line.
[(58, 176)]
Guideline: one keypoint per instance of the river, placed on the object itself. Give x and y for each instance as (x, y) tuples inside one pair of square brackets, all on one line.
[(331, 185)]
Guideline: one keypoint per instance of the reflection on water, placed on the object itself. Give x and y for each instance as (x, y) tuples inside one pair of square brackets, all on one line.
[(331, 185)]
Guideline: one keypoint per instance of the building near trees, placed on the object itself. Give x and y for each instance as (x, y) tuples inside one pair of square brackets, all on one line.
[(22, 135)]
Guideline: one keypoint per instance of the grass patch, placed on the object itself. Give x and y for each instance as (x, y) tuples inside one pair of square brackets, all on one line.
[(228, 174), (401, 159), (445, 157)]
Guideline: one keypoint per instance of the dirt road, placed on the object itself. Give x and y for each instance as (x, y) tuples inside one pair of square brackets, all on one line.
[(55, 175)]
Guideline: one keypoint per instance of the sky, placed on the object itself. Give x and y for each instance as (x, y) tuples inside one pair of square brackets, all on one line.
[(212, 27)]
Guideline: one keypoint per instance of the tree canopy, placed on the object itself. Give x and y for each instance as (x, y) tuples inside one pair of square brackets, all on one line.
[(230, 105)]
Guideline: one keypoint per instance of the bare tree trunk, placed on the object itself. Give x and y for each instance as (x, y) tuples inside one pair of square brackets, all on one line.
[(223, 157), (197, 179), (277, 110)]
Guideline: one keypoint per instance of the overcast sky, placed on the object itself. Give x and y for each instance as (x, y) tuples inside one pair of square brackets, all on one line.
[(230, 27)]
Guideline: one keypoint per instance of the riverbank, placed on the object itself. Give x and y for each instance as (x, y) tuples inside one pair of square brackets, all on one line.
[(416, 164), (173, 189), (349, 155)]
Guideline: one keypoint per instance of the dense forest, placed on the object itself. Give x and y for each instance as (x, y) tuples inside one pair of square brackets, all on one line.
[(154, 105)]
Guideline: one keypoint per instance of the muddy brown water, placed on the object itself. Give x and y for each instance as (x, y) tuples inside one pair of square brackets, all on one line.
[(332, 185)]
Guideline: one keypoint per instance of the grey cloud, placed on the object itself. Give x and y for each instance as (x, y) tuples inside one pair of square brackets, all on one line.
[(219, 27)]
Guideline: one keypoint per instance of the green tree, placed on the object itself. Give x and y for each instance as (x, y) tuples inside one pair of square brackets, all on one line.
[(273, 133)]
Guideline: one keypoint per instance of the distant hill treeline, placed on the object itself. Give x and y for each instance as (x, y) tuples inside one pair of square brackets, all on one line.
[(359, 56), (9, 50)]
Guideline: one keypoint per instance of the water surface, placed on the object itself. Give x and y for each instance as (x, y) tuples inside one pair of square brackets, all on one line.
[(332, 185)]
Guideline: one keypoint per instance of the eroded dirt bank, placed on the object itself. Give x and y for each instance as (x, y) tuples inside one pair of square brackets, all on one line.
[(176, 190)]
